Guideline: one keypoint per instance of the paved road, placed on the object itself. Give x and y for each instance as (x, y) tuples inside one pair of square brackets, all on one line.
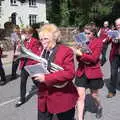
[(10, 93)]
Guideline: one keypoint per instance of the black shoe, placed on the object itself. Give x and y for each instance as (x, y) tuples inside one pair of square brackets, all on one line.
[(99, 112), (19, 103), (2, 82)]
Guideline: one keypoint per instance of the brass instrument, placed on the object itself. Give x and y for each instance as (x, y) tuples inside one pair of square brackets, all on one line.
[(25, 53)]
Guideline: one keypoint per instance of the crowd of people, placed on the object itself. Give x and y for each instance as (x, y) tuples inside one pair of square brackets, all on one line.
[(54, 86)]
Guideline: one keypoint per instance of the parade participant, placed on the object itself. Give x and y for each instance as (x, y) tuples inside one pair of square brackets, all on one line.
[(114, 61), (103, 34), (2, 72), (15, 40), (34, 46), (88, 74), (53, 99)]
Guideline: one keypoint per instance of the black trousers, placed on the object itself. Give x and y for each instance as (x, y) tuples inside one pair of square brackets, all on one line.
[(2, 72), (104, 51), (115, 64), (24, 77), (14, 67), (68, 115)]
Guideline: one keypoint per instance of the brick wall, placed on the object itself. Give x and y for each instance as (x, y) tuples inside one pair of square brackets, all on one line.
[(67, 33)]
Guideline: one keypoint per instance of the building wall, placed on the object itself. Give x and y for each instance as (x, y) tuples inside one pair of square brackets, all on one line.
[(22, 12)]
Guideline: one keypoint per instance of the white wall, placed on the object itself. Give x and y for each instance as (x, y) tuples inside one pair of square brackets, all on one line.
[(23, 11)]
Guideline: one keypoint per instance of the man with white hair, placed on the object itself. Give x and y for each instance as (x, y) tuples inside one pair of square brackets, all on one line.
[(114, 61)]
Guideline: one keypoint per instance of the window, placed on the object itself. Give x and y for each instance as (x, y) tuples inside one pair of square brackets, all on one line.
[(32, 19), (13, 2), (32, 2)]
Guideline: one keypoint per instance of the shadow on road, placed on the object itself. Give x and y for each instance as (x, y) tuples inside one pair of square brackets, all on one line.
[(9, 78)]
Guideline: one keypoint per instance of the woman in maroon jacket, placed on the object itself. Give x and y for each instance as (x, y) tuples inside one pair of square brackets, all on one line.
[(89, 73), (57, 94)]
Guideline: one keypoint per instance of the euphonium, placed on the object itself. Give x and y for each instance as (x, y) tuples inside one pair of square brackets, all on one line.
[(25, 53)]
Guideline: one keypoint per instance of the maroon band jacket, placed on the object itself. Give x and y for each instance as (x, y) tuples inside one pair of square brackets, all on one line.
[(57, 100), (89, 64)]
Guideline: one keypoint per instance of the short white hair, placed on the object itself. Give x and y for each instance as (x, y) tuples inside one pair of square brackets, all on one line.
[(106, 22), (117, 20)]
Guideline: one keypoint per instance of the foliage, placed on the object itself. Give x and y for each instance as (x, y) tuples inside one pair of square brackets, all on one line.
[(80, 12)]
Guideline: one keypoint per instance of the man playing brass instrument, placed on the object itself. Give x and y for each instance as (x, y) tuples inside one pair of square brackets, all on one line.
[(34, 46)]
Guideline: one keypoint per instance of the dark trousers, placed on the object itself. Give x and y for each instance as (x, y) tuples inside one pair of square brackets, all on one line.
[(104, 50), (115, 64), (68, 115), (14, 67), (24, 77), (2, 72)]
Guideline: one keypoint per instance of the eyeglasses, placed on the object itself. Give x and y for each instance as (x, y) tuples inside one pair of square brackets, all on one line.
[(41, 39), (87, 33)]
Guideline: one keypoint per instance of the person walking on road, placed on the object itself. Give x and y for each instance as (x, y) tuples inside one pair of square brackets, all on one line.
[(15, 40), (2, 72), (89, 74), (114, 61), (103, 34), (57, 94), (34, 46)]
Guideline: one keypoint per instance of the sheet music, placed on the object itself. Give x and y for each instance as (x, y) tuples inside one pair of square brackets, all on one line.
[(81, 41), (36, 69), (80, 38), (114, 34)]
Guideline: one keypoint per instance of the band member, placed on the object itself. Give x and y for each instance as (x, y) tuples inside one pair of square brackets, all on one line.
[(103, 34), (114, 61), (15, 40), (88, 74), (2, 72), (56, 86), (33, 45)]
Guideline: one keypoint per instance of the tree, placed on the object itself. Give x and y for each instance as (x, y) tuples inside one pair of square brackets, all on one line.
[(80, 12)]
